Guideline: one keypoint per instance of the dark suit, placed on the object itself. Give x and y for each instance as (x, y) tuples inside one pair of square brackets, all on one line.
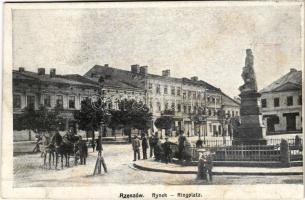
[(144, 147)]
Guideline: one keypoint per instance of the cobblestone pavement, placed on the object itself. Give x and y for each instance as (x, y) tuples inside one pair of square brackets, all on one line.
[(28, 172)]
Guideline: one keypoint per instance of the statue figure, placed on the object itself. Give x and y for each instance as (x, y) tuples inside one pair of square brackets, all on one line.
[(248, 74)]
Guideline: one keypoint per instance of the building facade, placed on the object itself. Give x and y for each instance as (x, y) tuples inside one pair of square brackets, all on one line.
[(187, 100), (282, 104), (67, 91), (51, 90)]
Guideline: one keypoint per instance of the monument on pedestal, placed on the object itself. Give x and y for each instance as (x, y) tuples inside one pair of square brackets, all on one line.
[(251, 130)]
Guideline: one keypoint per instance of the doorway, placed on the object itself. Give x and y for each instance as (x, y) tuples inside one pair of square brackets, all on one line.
[(290, 121)]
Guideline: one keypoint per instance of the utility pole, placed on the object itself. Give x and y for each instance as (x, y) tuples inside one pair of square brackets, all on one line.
[(100, 159)]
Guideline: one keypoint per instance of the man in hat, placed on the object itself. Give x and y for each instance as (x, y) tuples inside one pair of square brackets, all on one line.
[(155, 142), (136, 147), (144, 146), (209, 164), (181, 144), (82, 150), (167, 151), (151, 145), (202, 168), (57, 139)]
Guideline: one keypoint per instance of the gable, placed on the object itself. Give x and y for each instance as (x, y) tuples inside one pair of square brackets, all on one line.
[(287, 87)]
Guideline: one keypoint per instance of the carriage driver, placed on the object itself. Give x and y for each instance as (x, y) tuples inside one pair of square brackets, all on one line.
[(68, 137), (56, 139)]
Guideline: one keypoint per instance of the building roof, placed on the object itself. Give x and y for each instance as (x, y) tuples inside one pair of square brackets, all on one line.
[(138, 79), (72, 79), (228, 101), (116, 77), (290, 81)]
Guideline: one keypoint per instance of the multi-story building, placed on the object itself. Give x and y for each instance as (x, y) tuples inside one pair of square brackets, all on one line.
[(67, 91), (282, 104), (50, 90), (185, 98)]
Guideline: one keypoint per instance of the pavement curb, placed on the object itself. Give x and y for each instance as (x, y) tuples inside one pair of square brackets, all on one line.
[(217, 173)]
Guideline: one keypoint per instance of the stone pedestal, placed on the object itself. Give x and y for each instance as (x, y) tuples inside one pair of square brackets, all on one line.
[(251, 131)]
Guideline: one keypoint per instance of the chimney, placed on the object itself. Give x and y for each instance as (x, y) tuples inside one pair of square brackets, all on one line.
[(41, 71), (106, 65), (166, 73), (293, 70), (21, 69), (52, 72), (144, 70), (194, 78), (135, 69)]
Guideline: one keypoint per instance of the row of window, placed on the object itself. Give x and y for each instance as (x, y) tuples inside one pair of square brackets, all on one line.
[(188, 109), (30, 101), (186, 94), (125, 92), (276, 101), (165, 90)]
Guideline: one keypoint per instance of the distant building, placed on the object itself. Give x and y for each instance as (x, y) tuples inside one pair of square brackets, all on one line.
[(194, 104), (67, 91), (182, 98), (282, 104)]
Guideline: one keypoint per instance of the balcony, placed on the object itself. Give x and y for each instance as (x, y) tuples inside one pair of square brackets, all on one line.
[(168, 113), (172, 113)]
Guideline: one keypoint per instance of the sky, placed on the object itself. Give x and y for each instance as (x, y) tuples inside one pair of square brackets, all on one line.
[(208, 42)]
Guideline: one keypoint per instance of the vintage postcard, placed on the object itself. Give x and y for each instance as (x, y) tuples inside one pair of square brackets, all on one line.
[(152, 100)]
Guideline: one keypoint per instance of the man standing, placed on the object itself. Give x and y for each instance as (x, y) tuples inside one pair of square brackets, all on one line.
[(181, 145), (151, 145), (57, 139), (202, 170), (144, 146), (93, 144), (167, 151), (209, 165), (136, 148)]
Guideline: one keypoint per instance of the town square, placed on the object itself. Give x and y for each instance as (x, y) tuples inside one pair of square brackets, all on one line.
[(242, 158), (115, 100)]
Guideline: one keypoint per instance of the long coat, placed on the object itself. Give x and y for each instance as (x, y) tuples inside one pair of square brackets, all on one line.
[(136, 144), (144, 143), (202, 169)]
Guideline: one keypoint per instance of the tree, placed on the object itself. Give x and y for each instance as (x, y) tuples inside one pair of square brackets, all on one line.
[(115, 121), (27, 120), (142, 117), (164, 122), (89, 117), (131, 114), (38, 120)]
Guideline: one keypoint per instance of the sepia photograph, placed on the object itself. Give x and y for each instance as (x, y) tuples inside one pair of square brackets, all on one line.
[(153, 100)]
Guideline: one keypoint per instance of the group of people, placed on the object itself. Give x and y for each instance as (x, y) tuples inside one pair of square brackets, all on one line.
[(160, 151), (145, 144)]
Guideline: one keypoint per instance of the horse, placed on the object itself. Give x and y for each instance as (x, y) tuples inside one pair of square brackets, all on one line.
[(65, 149), (47, 148)]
